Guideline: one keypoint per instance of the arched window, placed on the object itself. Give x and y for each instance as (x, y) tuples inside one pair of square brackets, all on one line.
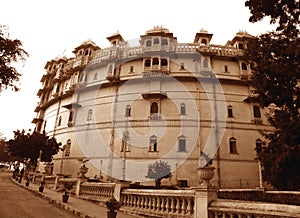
[(164, 42), (67, 148), (232, 146), (256, 112), (89, 115), (155, 61), (59, 121), (230, 111), (182, 109), (128, 111), (156, 41), (182, 143), (164, 62), (258, 146), (147, 63), (203, 42), (244, 66), (148, 43), (241, 46), (86, 52), (153, 143), (154, 108), (81, 77)]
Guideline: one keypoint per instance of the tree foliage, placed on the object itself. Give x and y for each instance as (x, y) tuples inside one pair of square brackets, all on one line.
[(26, 145), (274, 59), (284, 12), (158, 171), (11, 51), (3, 151)]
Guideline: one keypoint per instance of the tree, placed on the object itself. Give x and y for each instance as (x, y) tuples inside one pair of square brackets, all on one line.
[(26, 145), (158, 171), (11, 51), (3, 151), (283, 12), (274, 59)]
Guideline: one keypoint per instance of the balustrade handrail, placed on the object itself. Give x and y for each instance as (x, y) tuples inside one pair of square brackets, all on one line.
[(154, 192)]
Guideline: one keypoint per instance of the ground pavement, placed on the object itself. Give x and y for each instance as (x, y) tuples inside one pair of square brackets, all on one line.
[(75, 205)]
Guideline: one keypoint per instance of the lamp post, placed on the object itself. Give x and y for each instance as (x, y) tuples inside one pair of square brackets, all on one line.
[(125, 141), (39, 161), (62, 158)]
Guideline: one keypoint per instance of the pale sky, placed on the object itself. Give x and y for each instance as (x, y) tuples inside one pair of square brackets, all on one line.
[(48, 28)]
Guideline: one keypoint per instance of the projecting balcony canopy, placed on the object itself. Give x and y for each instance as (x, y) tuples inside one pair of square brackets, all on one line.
[(72, 106), (154, 95), (36, 120)]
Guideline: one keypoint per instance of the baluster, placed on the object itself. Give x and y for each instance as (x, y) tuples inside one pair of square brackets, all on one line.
[(133, 201), (146, 203), (138, 201), (177, 206), (130, 201), (189, 207), (168, 205), (149, 202), (172, 205), (142, 206), (183, 206), (163, 204), (158, 204), (153, 203)]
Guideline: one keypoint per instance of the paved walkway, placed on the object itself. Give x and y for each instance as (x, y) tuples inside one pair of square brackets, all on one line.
[(75, 205)]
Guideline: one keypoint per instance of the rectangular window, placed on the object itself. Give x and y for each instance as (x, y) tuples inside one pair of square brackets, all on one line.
[(226, 69), (71, 116), (131, 70), (182, 145), (95, 76), (153, 144), (230, 111), (232, 146), (182, 66)]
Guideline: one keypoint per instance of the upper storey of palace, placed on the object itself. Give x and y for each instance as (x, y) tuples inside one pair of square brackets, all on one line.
[(155, 52)]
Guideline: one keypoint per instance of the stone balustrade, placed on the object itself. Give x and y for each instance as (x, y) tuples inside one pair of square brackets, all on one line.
[(129, 52), (49, 181), (247, 209), (101, 192), (178, 203)]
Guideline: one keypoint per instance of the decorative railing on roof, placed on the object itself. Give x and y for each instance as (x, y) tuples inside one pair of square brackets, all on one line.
[(132, 52)]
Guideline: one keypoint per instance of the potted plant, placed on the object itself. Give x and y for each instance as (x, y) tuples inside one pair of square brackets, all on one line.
[(83, 169), (41, 188), (67, 189), (112, 205), (27, 180), (206, 170)]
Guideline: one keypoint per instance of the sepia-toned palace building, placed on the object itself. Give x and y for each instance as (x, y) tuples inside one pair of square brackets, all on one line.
[(141, 101)]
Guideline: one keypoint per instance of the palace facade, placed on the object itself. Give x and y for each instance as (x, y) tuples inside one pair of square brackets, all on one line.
[(154, 99)]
